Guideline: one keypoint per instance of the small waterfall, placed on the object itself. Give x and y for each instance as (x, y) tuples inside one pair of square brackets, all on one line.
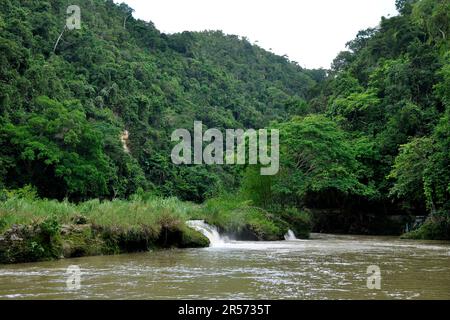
[(290, 236), (208, 231), (124, 138)]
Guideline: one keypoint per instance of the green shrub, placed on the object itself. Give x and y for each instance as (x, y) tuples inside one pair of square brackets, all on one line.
[(298, 221), (436, 227), (51, 229), (238, 217), (27, 192)]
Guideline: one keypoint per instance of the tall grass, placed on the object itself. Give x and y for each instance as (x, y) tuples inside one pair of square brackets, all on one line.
[(233, 214), (48, 229), (150, 214), (133, 215)]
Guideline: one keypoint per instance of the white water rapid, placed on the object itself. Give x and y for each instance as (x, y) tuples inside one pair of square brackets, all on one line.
[(208, 231), (290, 236)]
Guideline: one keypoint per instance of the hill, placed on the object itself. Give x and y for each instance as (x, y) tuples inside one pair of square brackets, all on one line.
[(65, 104)]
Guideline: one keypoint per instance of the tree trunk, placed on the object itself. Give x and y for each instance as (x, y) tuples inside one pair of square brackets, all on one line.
[(59, 38)]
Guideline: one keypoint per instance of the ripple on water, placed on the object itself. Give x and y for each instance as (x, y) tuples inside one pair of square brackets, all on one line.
[(328, 267)]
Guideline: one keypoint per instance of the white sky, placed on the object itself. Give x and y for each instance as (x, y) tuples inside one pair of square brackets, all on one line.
[(311, 32)]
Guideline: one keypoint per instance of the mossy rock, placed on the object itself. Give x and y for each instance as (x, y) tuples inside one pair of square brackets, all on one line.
[(48, 240), (30, 243), (193, 239), (435, 228), (183, 237), (80, 241)]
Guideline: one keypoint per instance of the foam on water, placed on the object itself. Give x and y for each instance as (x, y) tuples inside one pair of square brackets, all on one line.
[(208, 231), (290, 236)]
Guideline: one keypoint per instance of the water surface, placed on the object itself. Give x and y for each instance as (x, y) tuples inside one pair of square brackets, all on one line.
[(326, 267)]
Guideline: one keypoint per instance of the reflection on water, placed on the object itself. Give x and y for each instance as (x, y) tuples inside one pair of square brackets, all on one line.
[(327, 267)]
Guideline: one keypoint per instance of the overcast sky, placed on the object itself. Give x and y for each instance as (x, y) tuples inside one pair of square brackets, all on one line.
[(310, 32)]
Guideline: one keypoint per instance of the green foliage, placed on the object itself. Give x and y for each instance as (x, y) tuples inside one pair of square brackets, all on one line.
[(35, 230), (317, 159), (193, 239), (240, 219), (50, 227), (58, 150), (422, 170), (152, 214), (436, 227), (357, 110), (409, 170), (27, 192), (437, 173), (380, 141), (62, 113), (257, 188), (434, 17), (298, 221), (371, 134), (390, 93)]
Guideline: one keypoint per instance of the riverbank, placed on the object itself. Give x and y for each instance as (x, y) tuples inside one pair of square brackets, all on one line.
[(33, 229), (37, 230), (238, 218), (436, 227)]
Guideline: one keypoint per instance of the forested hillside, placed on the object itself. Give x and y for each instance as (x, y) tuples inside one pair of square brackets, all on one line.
[(380, 143), (63, 109), (390, 93), (369, 137)]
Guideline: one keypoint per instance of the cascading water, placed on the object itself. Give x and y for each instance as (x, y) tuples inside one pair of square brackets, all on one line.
[(290, 236), (208, 231), (216, 240)]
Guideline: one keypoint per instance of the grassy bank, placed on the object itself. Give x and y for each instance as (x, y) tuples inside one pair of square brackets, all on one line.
[(239, 219), (35, 230), (436, 227)]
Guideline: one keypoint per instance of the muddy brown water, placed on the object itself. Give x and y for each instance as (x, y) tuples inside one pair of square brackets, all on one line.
[(325, 267)]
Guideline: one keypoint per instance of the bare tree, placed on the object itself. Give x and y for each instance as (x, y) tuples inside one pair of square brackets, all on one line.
[(59, 38)]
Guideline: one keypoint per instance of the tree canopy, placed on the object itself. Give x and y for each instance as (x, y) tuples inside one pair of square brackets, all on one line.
[(371, 132)]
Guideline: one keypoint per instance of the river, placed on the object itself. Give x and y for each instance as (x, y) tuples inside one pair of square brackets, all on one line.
[(325, 267)]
